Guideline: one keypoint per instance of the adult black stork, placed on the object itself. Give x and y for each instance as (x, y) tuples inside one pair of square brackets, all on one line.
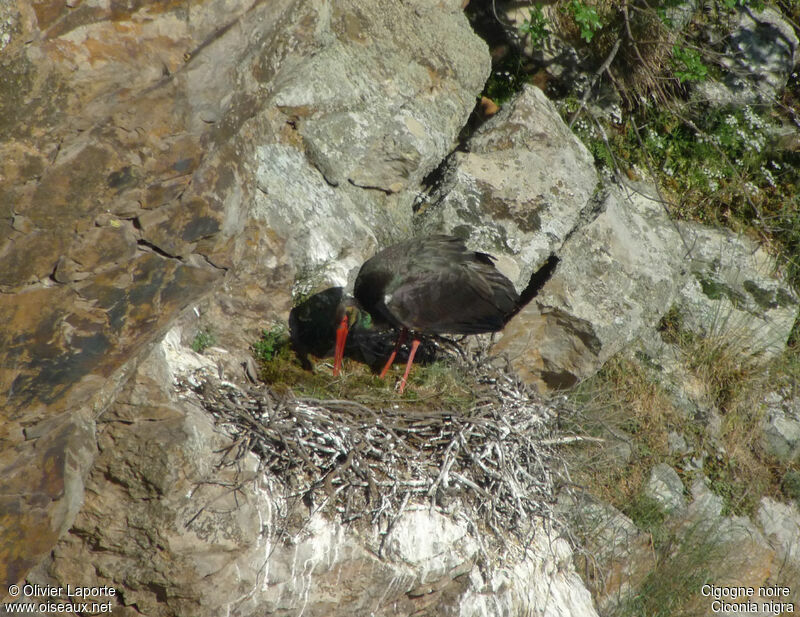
[(431, 285)]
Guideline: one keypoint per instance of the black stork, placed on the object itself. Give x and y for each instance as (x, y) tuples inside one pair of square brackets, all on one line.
[(430, 285)]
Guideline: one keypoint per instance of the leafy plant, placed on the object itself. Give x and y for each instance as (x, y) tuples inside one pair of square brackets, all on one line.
[(203, 340), (535, 26), (273, 340), (587, 19), (688, 64), (508, 78)]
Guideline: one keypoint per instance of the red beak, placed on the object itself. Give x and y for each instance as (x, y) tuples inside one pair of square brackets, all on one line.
[(341, 337)]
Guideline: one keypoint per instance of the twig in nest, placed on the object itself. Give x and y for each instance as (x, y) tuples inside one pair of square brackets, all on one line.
[(366, 464)]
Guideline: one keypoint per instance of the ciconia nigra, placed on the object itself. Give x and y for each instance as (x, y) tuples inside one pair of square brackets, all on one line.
[(431, 285)]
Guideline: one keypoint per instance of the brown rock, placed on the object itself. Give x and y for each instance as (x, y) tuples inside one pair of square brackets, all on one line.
[(99, 112), (129, 170)]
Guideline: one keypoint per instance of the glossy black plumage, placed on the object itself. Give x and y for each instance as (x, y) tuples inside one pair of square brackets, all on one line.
[(435, 285), (432, 285)]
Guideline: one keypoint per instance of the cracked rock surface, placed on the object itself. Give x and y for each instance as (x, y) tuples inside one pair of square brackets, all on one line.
[(134, 185)]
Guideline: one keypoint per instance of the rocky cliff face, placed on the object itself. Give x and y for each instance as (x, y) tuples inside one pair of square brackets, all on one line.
[(155, 153), (166, 166)]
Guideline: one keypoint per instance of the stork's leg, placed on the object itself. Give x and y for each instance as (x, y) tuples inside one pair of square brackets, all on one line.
[(400, 340), (414, 345)]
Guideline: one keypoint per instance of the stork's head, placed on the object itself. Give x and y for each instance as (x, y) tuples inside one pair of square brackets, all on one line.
[(348, 315)]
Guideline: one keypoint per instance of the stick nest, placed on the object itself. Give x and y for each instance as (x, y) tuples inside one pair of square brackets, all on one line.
[(492, 464)]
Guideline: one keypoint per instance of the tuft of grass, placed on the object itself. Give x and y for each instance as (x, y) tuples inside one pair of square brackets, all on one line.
[(790, 485), (630, 412), (649, 516), (686, 561), (626, 401), (203, 340)]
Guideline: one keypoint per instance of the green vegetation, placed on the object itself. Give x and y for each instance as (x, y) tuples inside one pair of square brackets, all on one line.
[(736, 166), (688, 65), (439, 384), (718, 169), (649, 516), (203, 340), (274, 342), (507, 78), (586, 18), (535, 26), (628, 403)]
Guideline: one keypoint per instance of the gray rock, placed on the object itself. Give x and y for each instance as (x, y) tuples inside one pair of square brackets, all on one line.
[(781, 524), (781, 428), (291, 190), (160, 522), (761, 54), (666, 488), (695, 463), (705, 505), (519, 190), (620, 452), (677, 443), (613, 535), (615, 278), (176, 168), (619, 553), (430, 543), (374, 109), (734, 294)]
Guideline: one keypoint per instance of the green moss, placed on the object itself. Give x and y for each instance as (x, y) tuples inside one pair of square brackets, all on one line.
[(763, 297), (715, 290), (790, 485)]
